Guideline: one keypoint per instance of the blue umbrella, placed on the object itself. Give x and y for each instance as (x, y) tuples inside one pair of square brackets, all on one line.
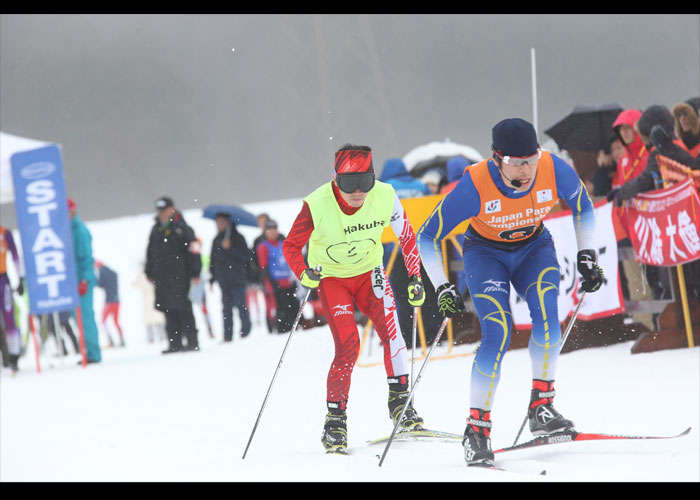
[(237, 214)]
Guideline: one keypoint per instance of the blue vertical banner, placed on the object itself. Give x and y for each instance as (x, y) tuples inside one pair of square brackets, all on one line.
[(44, 227)]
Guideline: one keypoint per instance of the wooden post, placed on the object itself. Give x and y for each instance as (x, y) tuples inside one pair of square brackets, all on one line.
[(686, 309)]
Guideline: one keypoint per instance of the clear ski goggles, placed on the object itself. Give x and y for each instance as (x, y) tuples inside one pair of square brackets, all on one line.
[(351, 182), (519, 161)]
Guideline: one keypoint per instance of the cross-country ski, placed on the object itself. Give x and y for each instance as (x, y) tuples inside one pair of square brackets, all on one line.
[(572, 436)]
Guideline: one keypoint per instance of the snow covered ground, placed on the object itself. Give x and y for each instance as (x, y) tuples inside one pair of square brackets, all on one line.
[(142, 416)]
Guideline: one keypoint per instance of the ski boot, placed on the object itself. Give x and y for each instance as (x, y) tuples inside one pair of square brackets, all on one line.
[(335, 429), (398, 395), (14, 363), (477, 439), (542, 416)]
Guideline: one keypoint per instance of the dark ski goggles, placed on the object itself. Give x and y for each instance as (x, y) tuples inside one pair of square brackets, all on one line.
[(349, 183)]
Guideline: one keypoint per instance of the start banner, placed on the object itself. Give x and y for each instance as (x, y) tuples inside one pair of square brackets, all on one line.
[(44, 227), (664, 225)]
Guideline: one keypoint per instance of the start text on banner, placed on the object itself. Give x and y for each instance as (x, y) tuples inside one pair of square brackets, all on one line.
[(44, 227)]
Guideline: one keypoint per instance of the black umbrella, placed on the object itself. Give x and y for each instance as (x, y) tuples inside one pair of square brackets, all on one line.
[(586, 128), (237, 214)]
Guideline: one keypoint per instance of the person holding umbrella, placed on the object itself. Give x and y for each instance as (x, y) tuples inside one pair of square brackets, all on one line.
[(229, 255), (507, 197), (588, 129)]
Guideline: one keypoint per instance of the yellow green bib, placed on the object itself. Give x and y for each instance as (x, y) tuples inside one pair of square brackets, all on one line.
[(348, 245)]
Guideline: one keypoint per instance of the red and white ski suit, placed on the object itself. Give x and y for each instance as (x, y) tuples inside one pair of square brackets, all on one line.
[(369, 291)]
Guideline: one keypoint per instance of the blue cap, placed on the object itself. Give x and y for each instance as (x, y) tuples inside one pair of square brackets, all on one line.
[(514, 137)]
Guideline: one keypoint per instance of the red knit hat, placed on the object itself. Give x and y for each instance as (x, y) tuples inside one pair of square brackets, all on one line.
[(71, 205)]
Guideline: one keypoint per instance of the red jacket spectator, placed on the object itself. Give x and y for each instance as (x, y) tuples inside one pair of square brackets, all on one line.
[(635, 159)]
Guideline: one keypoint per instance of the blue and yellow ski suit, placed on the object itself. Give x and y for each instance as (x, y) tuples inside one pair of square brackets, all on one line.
[(506, 243)]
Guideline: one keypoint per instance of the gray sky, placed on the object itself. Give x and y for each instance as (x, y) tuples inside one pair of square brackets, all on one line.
[(247, 108)]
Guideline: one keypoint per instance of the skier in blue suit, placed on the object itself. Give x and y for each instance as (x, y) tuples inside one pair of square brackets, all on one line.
[(506, 198)]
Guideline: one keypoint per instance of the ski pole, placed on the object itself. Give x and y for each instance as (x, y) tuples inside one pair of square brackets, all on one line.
[(274, 376), (563, 341), (413, 334), (206, 314), (413, 387), (413, 341), (573, 318)]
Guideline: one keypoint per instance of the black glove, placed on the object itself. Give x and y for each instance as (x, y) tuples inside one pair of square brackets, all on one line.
[(20, 287), (660, 138), (615, 196), (450, 302), (592, 273)]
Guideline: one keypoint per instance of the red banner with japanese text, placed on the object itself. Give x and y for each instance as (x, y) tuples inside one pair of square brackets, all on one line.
[(664, 225)]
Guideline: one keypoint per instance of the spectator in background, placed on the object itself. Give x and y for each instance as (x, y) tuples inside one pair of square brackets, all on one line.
[(635, 158), (108, 280), (152, 318), (261, 220), (630, 164), (648, 180), (254, 288), (607, 165), (229, 255), (687, 135), (10, 331), (277, 278), (455, 170), (270, 303), (198, 295), (405, 185), (85, 268), (64, 325), (256, 276), (172, 262), (617, 149), (685, 149), (433, 179), (687, 125)]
